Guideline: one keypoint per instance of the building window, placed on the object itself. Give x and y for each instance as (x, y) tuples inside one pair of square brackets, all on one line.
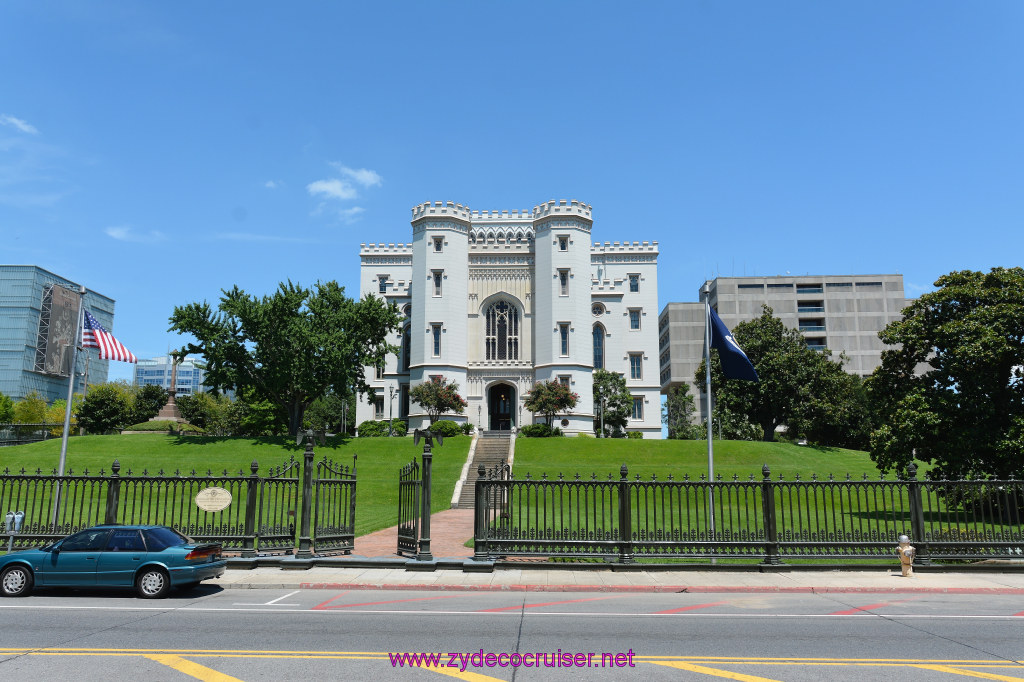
[(598, 347), (564, 380), (378, 407), (638, 408), (438, 278), (563, 335), (597, 310), (406, 349), (634, 318), (382, 284), (636, 366), (563, 282), (563, 243), (379, 371), (501, 340), (634, 283), (438, 244), (435, 332)]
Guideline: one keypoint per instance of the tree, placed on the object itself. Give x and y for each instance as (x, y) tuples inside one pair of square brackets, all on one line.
[(678, 413), (106, 407), (618, 401), (797, 385), (438, 397), (292, 347), (30, 410), (549, 398), (6, 409), (148, 399), (950, 390)]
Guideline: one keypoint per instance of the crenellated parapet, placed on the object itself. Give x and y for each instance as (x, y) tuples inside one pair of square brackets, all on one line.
[(385, 249), (624, 247), (450, 209), (441, 209)]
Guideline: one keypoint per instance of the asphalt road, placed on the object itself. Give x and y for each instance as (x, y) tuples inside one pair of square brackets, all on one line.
[(219, 635)]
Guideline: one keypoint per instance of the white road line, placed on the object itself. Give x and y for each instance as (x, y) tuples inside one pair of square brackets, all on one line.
[(273, 602)]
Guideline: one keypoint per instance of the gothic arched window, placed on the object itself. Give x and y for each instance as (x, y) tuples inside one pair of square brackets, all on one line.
[(598, 346), (501, 339)]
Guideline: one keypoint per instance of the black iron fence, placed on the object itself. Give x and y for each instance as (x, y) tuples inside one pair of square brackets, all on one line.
[(772, 520), (19, 434), (410, 488), (261, 516)]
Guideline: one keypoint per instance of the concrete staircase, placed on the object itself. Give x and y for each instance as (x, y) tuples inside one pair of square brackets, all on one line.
[(491, 450)]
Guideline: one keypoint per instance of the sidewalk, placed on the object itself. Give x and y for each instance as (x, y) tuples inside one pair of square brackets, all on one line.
[(453, 569)]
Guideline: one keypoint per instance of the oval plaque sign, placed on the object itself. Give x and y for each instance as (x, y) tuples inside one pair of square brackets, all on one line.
[(213, 499)]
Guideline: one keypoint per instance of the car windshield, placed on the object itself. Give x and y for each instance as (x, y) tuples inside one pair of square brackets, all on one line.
[(161, 538)]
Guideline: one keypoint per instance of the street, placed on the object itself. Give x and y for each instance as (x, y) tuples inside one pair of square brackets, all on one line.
[(236, 634)]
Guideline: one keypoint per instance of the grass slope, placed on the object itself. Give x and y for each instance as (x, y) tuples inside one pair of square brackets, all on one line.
[(585, 456)]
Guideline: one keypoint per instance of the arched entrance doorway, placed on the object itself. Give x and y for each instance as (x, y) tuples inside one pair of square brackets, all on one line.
[(500, 413)]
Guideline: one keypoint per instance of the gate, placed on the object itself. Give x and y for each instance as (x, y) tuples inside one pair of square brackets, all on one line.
[(410, 487), (334, 512), (279, 495)]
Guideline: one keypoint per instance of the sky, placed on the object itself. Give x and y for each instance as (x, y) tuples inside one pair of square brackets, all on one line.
[(160, 152)]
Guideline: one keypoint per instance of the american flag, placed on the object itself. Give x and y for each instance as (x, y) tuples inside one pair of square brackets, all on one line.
[(95, 336)]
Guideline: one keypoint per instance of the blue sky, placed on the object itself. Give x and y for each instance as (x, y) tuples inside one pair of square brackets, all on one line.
[(159, 152)]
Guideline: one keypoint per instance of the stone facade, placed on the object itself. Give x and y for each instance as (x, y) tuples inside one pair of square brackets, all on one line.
[(496, 301)]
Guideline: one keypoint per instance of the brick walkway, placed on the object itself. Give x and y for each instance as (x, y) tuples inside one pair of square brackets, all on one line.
[(449, 531)]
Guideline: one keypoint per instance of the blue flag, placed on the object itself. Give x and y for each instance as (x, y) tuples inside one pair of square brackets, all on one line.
[(735, 363)]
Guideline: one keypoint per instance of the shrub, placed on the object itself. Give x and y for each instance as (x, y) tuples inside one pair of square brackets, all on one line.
[(446, 427), (164, 426), (539, 431), (373, 429), (399, 428), (634, 434), (467, 428)]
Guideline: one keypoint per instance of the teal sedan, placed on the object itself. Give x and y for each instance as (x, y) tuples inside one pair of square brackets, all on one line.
[(152, 559)]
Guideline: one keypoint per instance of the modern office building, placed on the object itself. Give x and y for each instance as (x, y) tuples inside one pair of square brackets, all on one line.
[(842, 313), (496, 301), (38, 317), (158, 372)]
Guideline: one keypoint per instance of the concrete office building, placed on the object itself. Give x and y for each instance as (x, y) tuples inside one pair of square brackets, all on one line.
[(496, 301), (842, 313), (36, 333)]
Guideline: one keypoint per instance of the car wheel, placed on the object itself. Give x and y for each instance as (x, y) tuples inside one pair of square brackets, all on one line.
[(16, 581), (152, 583)]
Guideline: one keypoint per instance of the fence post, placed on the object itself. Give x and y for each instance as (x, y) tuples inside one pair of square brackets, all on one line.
[(923, 555), (625, 518), (771, 552), (480, 514), (305, 550), (113, 493), (251, 493)]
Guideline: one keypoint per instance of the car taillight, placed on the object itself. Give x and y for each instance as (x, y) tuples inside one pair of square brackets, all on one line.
[(203, 553)]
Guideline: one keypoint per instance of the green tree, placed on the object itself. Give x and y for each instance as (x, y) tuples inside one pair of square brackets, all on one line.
[(147, 401), (107, 407), (30, 410), (950, 389), (618, 401), (438, 397), (325, 414), (292, 347), (796, 387), (677, 413), (6, 409), (549, 398)]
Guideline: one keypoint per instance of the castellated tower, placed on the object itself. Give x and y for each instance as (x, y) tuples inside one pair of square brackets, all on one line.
[(440, 276), (562, 305)]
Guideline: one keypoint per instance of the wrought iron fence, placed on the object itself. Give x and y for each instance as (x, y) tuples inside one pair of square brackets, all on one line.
[(261, 517), (18, 434), (628, 519), (410, 487)]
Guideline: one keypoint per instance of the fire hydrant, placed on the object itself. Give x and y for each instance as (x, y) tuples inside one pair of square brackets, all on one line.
[(906, 553)]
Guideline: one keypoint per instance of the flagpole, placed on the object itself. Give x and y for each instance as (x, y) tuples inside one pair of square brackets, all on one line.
[(708, 423), (67, 405)]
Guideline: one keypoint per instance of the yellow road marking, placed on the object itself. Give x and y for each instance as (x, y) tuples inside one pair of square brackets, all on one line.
[(968, 673), (200, 672), (713, 671), (458, 674)]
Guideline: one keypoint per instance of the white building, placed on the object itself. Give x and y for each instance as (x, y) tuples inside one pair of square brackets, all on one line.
[(496, 301)]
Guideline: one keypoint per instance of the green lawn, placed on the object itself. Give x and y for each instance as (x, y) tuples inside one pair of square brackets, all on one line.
[(585, 456), (379, 461)]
